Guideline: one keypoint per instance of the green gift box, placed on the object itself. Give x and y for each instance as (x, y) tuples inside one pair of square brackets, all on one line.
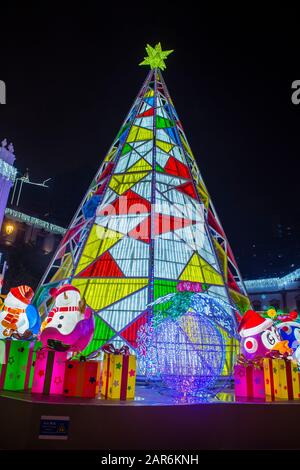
[(17, 371)]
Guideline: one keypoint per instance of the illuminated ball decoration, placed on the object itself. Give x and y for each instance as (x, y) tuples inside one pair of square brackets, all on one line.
[(190, 353)]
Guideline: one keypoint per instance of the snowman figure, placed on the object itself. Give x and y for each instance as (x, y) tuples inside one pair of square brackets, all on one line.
[(69, 323), (259, 336), (14, 322)]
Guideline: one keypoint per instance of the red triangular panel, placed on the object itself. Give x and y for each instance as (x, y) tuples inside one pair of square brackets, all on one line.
[(142, 231), (101, 188), (232, 283), (175, 167), (169, 223), (187, 188), (149, 112), (130, 333), (104, 266), (128, 203), (214, 224), (106, 172), (230, 255)]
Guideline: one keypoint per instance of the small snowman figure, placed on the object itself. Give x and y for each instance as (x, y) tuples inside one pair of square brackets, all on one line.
[(69, 324), (259, 336), (13, 318)]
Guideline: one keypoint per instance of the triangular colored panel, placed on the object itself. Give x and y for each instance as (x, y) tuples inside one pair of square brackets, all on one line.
[(166, 223), (149, 112), (140, 165), (161, 123), (159, 168), (188, 188), (232, 282), (213, 223), (128, 203), (122, 182), (126, 149), (139, 133), (165, 146), (105, 266), (192, 271), (142, 231), (99, 293), (198, 270), (130, 333), (122, 313), (175, 167), (100, 240), (102, 334)]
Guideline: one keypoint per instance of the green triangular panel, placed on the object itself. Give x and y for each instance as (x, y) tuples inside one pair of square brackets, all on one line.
[(103, 333)]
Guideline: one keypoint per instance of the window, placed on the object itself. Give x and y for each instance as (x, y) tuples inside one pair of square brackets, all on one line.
[(256, 305), (275, 303)]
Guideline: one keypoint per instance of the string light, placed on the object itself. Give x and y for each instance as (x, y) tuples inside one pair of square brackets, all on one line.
[(34, 221), (273, 282)]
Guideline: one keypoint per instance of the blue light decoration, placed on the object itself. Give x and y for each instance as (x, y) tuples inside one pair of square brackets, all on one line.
[(184, 346), (190, 353)]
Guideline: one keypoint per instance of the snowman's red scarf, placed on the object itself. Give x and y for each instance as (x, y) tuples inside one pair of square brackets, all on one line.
[(60, 309)]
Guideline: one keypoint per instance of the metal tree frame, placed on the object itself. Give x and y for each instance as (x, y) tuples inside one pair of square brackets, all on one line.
[(65, 262)]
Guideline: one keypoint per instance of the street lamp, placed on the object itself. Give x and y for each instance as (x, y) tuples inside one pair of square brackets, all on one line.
[(9, 228)]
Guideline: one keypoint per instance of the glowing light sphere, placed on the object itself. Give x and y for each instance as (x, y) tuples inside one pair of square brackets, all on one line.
[(190, 353)]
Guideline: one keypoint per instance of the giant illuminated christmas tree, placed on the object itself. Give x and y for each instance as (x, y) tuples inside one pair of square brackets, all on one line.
[(145, 225)]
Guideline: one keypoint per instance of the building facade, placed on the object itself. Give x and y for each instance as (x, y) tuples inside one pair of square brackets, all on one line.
[(280, 292), (7, 175)]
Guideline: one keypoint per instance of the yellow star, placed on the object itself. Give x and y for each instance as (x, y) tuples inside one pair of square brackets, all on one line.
[(156, 57)]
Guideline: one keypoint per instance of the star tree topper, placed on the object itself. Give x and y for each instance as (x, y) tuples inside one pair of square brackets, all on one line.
[(156, 57)]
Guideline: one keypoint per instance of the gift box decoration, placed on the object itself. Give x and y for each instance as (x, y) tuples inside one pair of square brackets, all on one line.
[(16, 372), (249, 378), (118, 374), (282, 378), (82, 379), (49, 372)]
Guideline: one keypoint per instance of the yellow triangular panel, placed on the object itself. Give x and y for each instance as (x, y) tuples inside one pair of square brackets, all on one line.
[(198, 270), (100, 293), (222, 257), (141, 165), (165, 146), (203, 194), (149, 94), (65, 269), (187, 147), (122, 182), (110, 155), (211, 276), (139, 133), (193, 272), (240, 300), (100, 240)]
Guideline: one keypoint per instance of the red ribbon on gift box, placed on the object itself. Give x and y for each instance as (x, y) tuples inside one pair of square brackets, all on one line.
[(257, 362), (110, 349)]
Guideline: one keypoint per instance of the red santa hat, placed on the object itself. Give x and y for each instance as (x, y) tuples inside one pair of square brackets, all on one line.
[(252, 323), (22, 293), (66, 288)]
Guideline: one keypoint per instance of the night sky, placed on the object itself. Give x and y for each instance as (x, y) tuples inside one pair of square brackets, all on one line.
[(72, 76)]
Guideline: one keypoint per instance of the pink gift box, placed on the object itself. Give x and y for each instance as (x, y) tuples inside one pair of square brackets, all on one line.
[(49, 372), (249, 381)]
